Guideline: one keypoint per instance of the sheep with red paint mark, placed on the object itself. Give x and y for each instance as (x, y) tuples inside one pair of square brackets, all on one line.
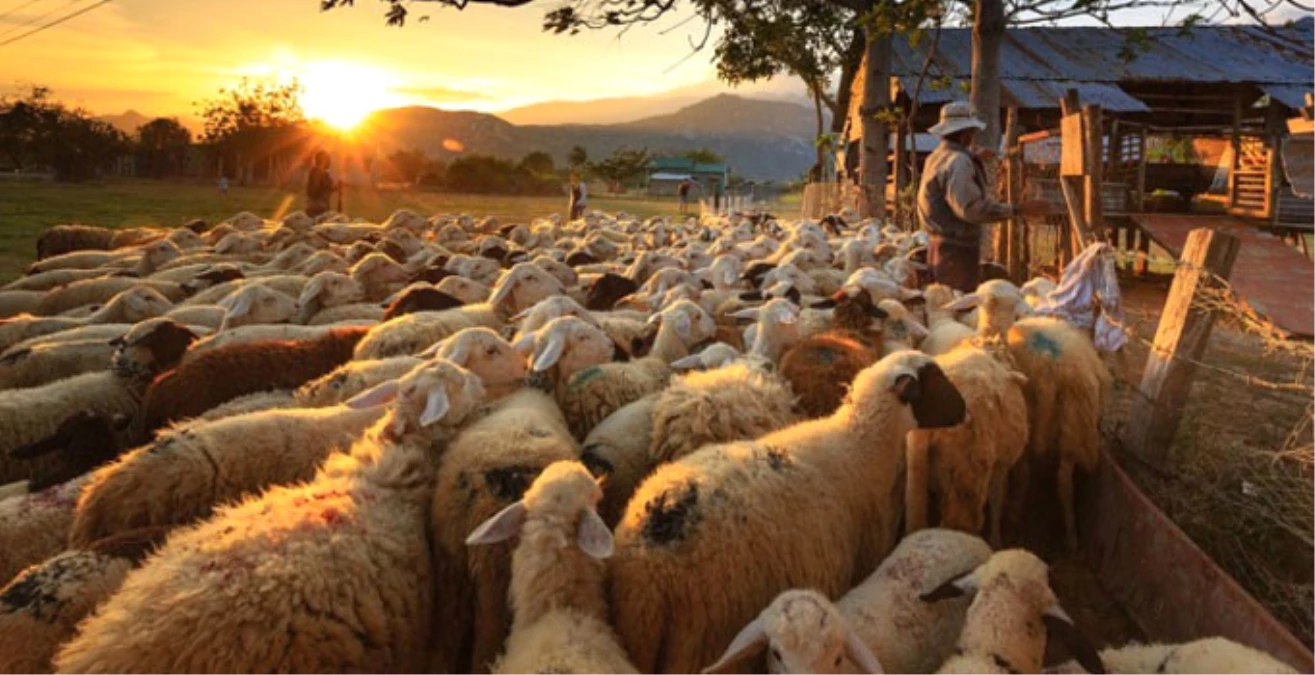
[(340, 562)]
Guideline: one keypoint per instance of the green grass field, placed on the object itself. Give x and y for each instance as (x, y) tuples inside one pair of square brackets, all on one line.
[(27, 208)]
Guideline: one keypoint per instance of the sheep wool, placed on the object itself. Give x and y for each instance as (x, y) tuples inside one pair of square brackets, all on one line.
[(617, 451), (68, 238), (735, 402), (820, 369), (822, 496), (340, 563), (1211, 655), (485, 469), (352, 378), (182, 476), (560, 612), (35, 526)]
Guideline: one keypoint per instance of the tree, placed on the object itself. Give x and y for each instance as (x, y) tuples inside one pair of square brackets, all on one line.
[(577, 157), (162, 146), (256, 123), (538, 163), (409, 165), (624, 166), (37, 131), (701, 156)]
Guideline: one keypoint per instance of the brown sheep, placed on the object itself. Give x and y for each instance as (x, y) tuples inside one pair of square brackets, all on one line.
[(225, 373), (820, 368), (419, 299), (68, 238)]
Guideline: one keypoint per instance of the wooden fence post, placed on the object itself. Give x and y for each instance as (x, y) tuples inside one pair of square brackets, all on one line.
[(1179, 343), (1093, 191)]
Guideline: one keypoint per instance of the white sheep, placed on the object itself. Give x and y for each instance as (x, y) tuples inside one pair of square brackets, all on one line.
[(883, 616), (340, 562), (35, 526), (824, 507), (944, 330), (617, 451), (256, 305), (559, 609), (1209, 655), (130, 306), (352, 378), (735, 402)]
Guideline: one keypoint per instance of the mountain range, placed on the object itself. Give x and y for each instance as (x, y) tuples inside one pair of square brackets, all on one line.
[(760, 139)]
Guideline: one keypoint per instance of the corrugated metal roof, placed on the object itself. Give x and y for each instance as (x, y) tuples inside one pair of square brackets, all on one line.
[(684, 164), (1033, 94), (1290, 95), (1205, 54)]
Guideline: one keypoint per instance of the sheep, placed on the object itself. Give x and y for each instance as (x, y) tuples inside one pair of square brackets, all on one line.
[(484, 353), (290, 285), (824, 503), (413, 333), (968, 465), (820, 368), (1012, 611), (352, 378), (467, 291), (1067, 385), (804, 633), (617, 451), (379, 276), (485, 469), (100, 291), (31, 415), (327, 290), (418, 297), (83, 442), (250, 403), (604, 292), (557, 306), (1209, 655), (559, 610), (40, 609), (342, 563), (44, 281), (220, 375), (735, 402), (61, 239), (775, 329), (129, 306), (35, 526), (713, 356), (40, 364), (944, 331), (185, 473), (900, 329), (82, 259), (16, 302), (256, 305)]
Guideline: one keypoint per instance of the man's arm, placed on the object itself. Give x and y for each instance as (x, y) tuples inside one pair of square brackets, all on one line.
[(966, 197)]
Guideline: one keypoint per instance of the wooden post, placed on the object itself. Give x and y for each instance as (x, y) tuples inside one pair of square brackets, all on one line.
[(901, 173), (1235, 142), (1179, 343), (1093, 188)]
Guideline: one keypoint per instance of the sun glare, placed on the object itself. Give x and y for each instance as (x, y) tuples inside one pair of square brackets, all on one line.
[(342, 94)]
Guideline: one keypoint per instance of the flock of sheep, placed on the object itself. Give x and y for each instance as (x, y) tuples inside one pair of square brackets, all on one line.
[(608, 445)]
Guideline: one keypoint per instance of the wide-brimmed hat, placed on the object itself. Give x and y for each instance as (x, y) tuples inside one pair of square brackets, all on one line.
[(956, 116)]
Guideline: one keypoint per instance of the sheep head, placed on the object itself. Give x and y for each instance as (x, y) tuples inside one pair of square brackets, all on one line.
[(565, 495), (568, 345), (908, 382), (256, 304), (437, 392), (521, 288), (483, 352), (150, 348), (802, 633), (325, 290)]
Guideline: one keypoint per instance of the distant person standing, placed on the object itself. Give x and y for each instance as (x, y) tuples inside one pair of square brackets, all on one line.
[(223, 185), (579, 196), (319, 186), (685, 186)]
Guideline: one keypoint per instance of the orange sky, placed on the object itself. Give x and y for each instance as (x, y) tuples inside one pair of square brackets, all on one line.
[(160, 56)]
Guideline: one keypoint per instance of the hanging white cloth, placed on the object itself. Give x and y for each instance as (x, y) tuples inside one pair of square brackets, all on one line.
[(1088, 297)]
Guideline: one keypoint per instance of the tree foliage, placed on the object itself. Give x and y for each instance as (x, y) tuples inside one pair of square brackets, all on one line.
[(37, 131), (577, 157), (624, 167), (538, 163), (162, 146), (255, 123), (703, 156)]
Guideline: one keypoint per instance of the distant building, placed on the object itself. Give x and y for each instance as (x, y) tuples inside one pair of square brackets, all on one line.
[(666, 173)]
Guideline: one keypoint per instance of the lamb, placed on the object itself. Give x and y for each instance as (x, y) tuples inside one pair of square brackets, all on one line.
[(485, 469), (826, 487), (969, 462), (61, 239), (31, 415), (1210, 655), (1067, 384), (617, 451), (352, 378), (735, 402), (220, 375), (185, 473), (883, 615), (559, 610), (1006, 625), (342, 565), (944, 331), (130, 306)]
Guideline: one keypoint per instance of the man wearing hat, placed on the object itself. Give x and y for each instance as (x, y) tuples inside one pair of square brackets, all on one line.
[(954, 202)]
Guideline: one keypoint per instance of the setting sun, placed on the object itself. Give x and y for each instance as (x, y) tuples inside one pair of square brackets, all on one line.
[(342, 94)]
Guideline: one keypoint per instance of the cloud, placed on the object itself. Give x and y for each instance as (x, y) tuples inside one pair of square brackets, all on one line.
[(441, 93)]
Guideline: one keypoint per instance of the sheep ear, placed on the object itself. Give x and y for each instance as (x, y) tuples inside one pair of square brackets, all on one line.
[(436, 406), (751, 296), (877, 312), (750, 640), (964, 584), (935, 401), (789, 318), (524, 345), (861, 654), (240, 307), (829, 303), (916, 329), (779, 289), (503, 290), (965, 303), (595, 538), (459, 354), (687, 363), (750, 313), (377, 396), (504, 525), (135, 302), (548, 356), (683, 326), (1060, 626)]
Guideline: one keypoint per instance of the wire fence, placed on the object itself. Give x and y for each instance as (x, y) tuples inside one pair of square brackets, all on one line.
[(1241, 477)]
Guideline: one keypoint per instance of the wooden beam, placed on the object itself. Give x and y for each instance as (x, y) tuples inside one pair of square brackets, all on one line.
[(1179, 344), (1093, 179), (1037, 135)]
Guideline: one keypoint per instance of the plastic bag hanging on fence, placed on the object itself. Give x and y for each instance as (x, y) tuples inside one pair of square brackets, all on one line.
[(1088, 297)]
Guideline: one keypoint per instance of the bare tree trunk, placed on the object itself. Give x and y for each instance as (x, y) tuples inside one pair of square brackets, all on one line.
[(988, 35), (820, 166), (874, 110)]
